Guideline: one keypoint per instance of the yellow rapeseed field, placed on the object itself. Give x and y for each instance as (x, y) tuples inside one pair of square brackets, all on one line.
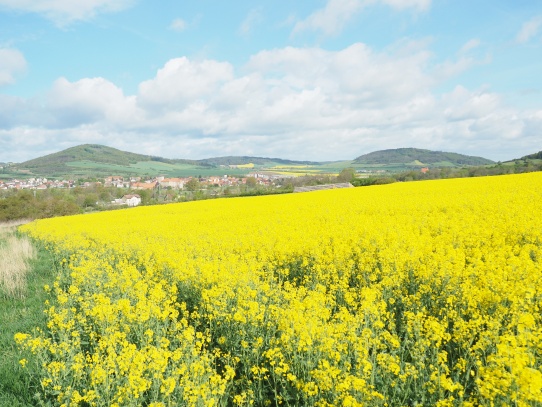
[(425, 293)]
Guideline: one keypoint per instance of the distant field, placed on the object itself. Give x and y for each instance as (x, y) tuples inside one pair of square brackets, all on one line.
[(289, 167), (337, 166), (532, 161), (443, 164), (247, 166), (153, 168), (186, 170)]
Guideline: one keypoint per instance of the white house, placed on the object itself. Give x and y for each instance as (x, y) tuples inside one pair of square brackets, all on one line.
[(177, 183), (131, 200)]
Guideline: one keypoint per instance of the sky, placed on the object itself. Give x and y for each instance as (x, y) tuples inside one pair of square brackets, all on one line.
[(314, 80)]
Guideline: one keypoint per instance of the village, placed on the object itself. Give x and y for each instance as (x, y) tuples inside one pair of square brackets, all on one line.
[(154, 184)]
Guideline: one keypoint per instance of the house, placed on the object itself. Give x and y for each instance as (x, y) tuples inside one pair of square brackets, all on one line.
[(114, 181), (131, 200), (177, 183), (215, 180), (114, 178), (143, 185), (424, 170)]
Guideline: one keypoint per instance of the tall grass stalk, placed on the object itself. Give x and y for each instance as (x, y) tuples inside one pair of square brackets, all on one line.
[(15, 254)]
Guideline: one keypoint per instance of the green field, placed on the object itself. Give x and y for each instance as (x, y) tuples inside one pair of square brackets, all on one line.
[(150, 168)]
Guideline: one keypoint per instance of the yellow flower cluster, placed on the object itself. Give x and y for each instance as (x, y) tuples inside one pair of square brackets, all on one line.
[(425, 293)]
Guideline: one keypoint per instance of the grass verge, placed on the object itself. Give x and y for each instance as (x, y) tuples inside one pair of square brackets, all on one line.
[(21, 313)]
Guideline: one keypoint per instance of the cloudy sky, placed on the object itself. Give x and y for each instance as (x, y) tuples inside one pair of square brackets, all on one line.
[(307, 79)]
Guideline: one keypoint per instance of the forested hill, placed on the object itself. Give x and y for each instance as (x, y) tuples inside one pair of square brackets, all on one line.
[(535, 156), (420, 157), (92, 152), (102, 154)]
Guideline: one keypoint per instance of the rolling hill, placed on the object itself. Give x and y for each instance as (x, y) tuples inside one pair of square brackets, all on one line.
[(93, 160), (419, 157), (96, 153), (535, 156)]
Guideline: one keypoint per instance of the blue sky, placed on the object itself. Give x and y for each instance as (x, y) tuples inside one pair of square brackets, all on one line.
[(313, 80)]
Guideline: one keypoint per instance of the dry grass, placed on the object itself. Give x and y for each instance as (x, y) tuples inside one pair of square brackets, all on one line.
[(15, 254), (12, 224)]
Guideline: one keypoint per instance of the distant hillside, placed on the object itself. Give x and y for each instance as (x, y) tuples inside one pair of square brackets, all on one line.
[(260, 161), (108, 155), (417, 156), (58, 163), (535, 156), (92, 152), (94, 160), (89, 152)]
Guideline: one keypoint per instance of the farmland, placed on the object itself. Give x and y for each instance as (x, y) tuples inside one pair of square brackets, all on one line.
[(149, 167), (420, 293)]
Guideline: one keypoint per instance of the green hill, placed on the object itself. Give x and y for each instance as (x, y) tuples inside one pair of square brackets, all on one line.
[(535, 156), (419, 157), (86, 152), (94, 160)]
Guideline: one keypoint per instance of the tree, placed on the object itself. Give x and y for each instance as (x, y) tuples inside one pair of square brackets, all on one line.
[(251, 182), (347, 175), (192, 184), (90, 200), (145, 196)]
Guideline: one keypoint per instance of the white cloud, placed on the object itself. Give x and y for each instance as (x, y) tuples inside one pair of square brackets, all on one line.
[(451, 68), (529, 29), (12, 63), (63, 12), (421, 5), (178, 25), (462, 104), (181, 82), (16, 111), (299, 103), (91, 100), (470, 45), (253, 18), (355, 76), (331, 19)]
